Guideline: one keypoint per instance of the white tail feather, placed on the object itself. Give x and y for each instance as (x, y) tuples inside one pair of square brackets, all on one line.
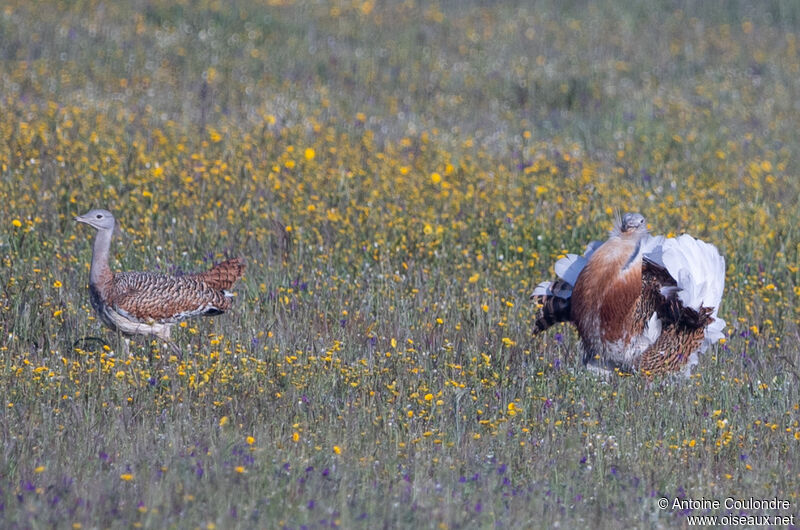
[(653, 328), (698, 269), (714, 330)]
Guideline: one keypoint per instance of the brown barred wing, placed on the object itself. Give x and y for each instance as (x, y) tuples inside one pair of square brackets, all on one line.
[(671, 351), (149, 297)]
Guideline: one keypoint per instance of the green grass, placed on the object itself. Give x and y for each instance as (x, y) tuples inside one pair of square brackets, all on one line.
[(398, 178)]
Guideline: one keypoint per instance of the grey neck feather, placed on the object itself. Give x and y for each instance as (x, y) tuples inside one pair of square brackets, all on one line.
[(100, 272), (635, 254)]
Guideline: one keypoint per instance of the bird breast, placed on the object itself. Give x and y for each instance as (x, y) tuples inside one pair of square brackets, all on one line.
[(605, 294)]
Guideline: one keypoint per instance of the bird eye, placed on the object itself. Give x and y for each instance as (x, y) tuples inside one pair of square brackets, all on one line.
[(99, 216)]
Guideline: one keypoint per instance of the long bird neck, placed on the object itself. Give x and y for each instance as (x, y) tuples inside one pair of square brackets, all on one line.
[(100, 273)]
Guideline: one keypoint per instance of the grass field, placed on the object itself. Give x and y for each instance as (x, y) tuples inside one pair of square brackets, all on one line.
[(398, 176)]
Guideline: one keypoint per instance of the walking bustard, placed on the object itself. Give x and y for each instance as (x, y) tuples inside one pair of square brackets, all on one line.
[(147, 303)]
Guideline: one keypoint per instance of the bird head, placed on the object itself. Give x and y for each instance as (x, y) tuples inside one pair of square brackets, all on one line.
[(631, 222), (630, 225), (99, 219)]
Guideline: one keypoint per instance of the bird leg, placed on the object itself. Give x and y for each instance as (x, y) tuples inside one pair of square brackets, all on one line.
[(175, 348)]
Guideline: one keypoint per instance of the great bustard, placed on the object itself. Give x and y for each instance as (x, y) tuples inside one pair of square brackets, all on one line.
[(146, 303), (639, 302)]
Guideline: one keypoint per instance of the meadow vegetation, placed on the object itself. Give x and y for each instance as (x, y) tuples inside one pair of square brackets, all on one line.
[(398, 176)]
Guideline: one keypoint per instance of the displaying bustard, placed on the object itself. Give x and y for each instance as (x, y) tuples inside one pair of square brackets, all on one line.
[(640, 303), (147, 303)]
